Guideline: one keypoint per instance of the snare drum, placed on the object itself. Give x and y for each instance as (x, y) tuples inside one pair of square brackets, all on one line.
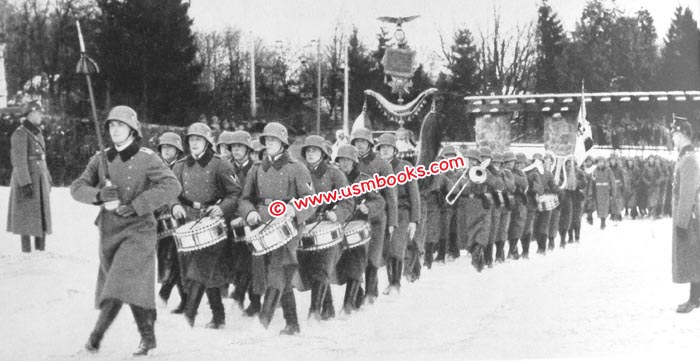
[(166, 225), (272, 236), (547, 202), (357, 233), (324, 234), (199, 234)]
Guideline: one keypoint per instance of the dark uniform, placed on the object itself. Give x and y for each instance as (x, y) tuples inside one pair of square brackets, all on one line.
[(571, 203), (605, 191), (686, 220), (508, 201), (278, 178), (29, 209), (370, 163), (316, 267), (494, 191), (518, 213), (353, 261), (142, 183), (473, 220), (206, 181), (535, 188)]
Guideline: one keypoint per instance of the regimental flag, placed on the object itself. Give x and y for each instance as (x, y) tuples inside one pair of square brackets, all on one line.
[(584, 136)]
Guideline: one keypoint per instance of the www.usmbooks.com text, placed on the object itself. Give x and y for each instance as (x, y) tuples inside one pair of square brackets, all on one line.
[(377, 182)]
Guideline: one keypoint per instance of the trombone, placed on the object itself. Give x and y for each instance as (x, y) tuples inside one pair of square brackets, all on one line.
[(475, 174)]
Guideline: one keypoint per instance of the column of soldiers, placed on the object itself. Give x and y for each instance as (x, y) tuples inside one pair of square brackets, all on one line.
[(411, 226)]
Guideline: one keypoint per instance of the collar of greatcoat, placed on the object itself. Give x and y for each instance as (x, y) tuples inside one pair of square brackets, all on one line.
[(319, 170), (125, 154), (203, 160), (31, 127), (278, 163), (685, 150), (367, 158)]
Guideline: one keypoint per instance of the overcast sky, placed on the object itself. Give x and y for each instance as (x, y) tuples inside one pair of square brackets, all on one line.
[(298, 21)]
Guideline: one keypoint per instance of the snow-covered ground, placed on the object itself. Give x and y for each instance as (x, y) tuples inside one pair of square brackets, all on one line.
[(609, 297)]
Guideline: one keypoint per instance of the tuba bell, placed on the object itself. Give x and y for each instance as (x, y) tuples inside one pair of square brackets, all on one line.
[(475, 174)]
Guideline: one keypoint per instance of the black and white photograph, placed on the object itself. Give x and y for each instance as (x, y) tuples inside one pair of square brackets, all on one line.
[(349, 180)]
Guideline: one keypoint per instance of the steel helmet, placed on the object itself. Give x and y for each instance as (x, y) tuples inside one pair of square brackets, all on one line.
[(202, 130), (275, 130), (347, 151), (127, 116), (361, 133), (315, 141), (170, 138)]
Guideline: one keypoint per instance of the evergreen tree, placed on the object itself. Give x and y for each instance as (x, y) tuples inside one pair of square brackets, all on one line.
[(680, 67), (550, 48), (147, 52)]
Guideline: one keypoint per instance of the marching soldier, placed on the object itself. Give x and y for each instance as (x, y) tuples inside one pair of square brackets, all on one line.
[(494, 191), (570, 202), (535, 188), (578, 202), (652, 177), (686, 226), (631, 196), (371, 164), (518, 211), (474, 215), (352, 262), (278, 178), (316, 267), (589, 206), (209, 189), (621, 185), (170, 150), (29, 210), (605, 190), (508, 201), (553, 187), (448, 214), (408, 217), (433, 201), (142, 183), (249, 271)]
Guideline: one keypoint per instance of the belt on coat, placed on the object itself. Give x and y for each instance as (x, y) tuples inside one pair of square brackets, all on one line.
[(190, 203), (267, 201), (603, 184), (36, 157)]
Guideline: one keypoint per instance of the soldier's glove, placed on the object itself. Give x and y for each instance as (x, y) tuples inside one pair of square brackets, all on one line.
[(178, 212), (681, 234), (237, 223), (485, 201), (126, 211), (108, 194), (478, 257), (28, 190), (253, 218), (331, 216)]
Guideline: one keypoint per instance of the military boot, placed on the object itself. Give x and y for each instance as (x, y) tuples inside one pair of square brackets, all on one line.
[(328, 310), (525, 241), (500, 252), (272, 296), (371, 284), (428, 258), (550, 245), (289, 310), (194, 297), (254, 305), (352, 288), (513, 249), (183, 299), (602, 223), (108, 312), (389, 275), (26, 244), (145, 321), (441, 249), (488, 255), (318, 294), (571, 235), (218, 315), (562, 238), (39, 243)]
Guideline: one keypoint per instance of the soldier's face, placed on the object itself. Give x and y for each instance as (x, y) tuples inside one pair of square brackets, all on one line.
[(168, 152), (362, 146), (345, 165), (119, 132), (197, 144), (519, 165), (273, 146), (35, 117), (224, 151), (313, 155), (239, 152), (679, 140), (510, 165), (387, 152)]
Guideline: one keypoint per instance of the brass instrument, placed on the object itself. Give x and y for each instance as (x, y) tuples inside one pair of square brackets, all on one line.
[(475, 174)]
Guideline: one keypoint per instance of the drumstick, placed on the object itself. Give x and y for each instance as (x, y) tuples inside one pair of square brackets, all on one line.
[(206, 214), (266, 224), (353, 214)]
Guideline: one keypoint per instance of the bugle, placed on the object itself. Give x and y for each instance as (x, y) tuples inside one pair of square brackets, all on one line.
[(475, 174)]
